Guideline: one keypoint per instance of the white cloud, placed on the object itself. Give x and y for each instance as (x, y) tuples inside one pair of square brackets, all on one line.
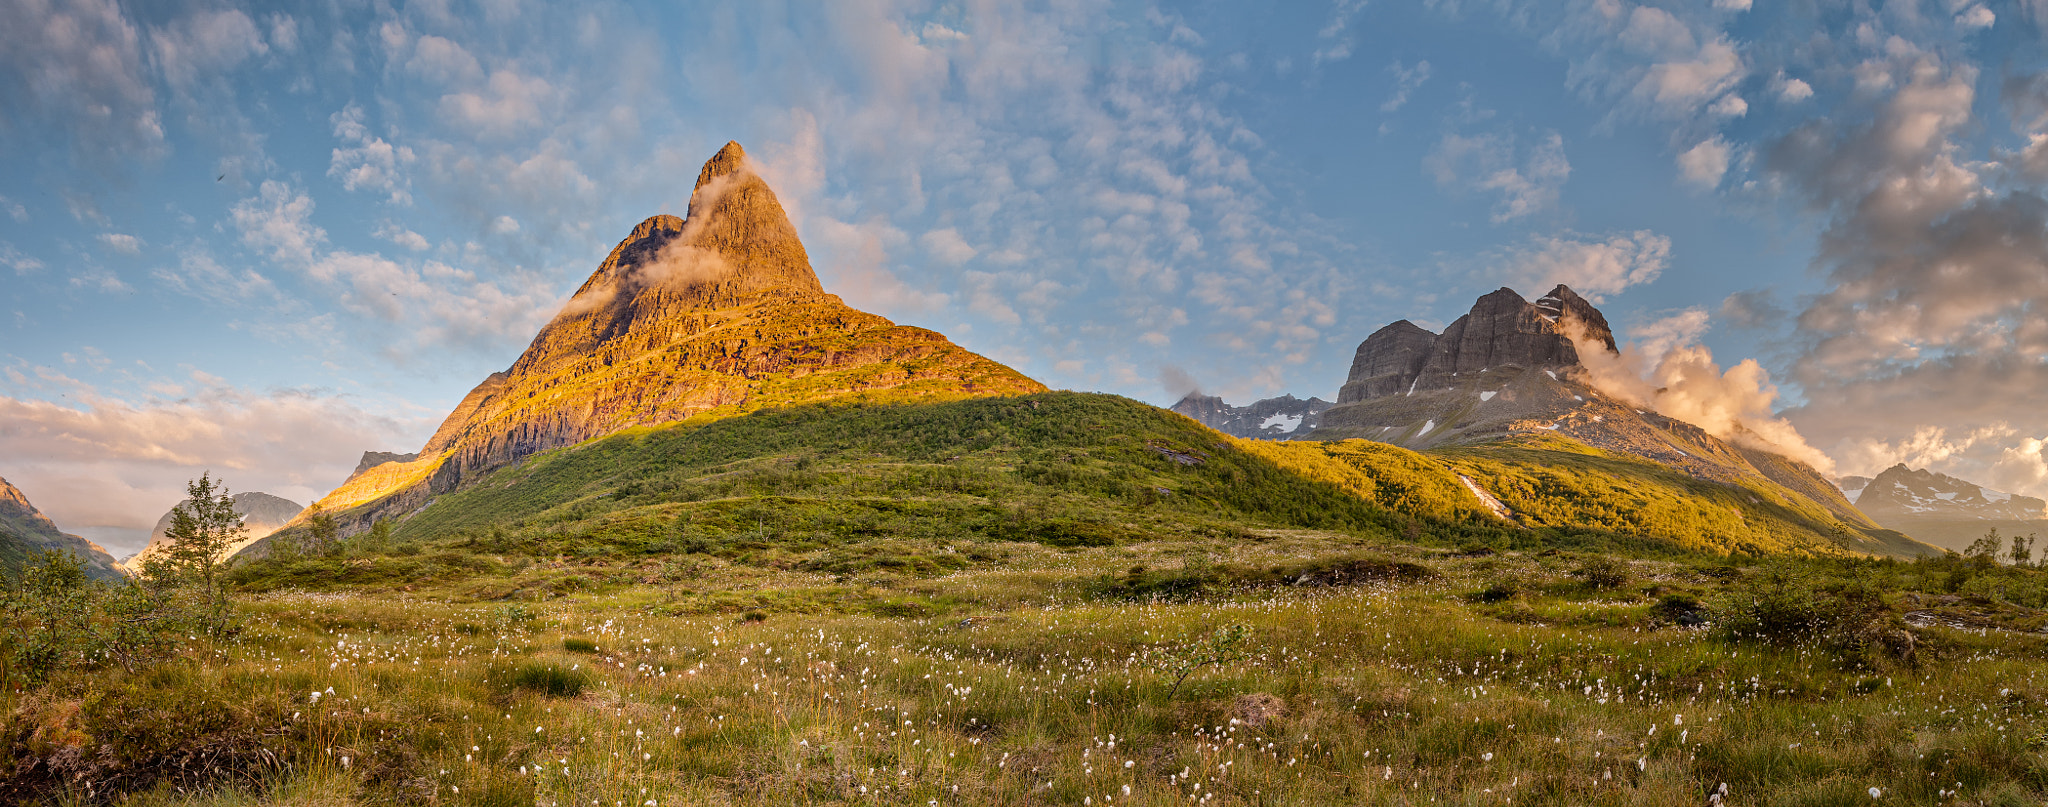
[(101, 461), (20, 262), (1664, 368), (397, 234), (1487, 162), (1406, 81), (1593, 267), (444, 61), (205, 43), (1336, 33), (1791, 90), (1976, 17), (1729, 106), (1704, 163), (947, 246), (121, 242), (367, 162), (278, 220), (504, 225), (509, 104), (80, 63)]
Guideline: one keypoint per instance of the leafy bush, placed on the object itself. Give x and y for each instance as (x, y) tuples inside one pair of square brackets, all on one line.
[(1603, 572), (549, 678), (1680, 609), (1788, 605), (54, 617)]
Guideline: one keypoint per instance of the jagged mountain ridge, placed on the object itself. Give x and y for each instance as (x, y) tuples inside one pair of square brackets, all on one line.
[(1902, 491), (715, 313), (1942, 510), (1282, 418), (1512, 368), (24, 530), (262, 514)]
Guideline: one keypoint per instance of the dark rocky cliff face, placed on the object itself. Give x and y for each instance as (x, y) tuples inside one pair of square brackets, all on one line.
[(1387, 362), (1502, 330)]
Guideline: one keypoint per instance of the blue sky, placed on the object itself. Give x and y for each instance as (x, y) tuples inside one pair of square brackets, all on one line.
[(260, 239)]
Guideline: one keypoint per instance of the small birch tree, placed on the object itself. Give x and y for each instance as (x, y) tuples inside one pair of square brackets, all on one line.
[(203, 529)]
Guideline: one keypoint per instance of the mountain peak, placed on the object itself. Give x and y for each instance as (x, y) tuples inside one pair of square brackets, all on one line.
[(715, 313), (729, 160)]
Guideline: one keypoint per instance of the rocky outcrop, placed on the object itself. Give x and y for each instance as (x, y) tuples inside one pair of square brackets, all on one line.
[(1282, 418), (712, 314), (372, 459), (1511, 369), (1387, 362), (1501, 330), (262, 514), (25, 531)]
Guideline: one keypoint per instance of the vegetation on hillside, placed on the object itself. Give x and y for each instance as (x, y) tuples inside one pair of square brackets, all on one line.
[(1054, 599), (1277, 666)]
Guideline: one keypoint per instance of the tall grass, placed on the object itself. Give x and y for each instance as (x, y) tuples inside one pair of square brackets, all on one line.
[(1041, 688)]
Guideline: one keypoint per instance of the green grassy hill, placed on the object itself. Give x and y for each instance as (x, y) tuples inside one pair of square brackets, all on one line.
[(924, 488), (1068, 599)]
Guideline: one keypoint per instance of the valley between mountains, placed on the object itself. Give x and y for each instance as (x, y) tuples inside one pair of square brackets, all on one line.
[(717, 537)]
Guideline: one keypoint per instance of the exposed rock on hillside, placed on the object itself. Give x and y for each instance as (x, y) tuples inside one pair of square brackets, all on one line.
[(24, 530), (262, 514), (372, 459), (713, 314), (1512, 368), (1282, 418)]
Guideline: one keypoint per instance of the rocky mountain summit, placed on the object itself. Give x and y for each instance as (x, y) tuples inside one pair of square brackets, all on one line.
[(1282, 418), (1942, 510), (262, 514), (1903, 491), (24, 530), (716, 313), (1511, 368)]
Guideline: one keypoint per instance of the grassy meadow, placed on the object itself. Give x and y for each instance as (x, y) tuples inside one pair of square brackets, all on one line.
[(1053, 600)]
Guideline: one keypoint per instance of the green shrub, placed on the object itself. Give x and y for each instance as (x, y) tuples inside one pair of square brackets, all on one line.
[(54, 617), (1788, 605), (549, 678), (1603, 572), (575, 645)]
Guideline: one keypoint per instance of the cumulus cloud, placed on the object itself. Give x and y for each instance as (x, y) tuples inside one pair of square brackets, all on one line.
[(439, 303), (1928, 341), (197, 46), (1406, 81), (946, 245), (1594, 267), (1790, 90), (1664, 368), (1976, 17), (367, 162), (121, 242), (1177, 382), (508, 104), (80, 64), (1704, 164), (1488, 163), (117, 464)]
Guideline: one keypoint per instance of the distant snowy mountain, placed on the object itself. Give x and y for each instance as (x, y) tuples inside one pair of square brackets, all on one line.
[(1903, 491), (1282, 418), (1942, 510)]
